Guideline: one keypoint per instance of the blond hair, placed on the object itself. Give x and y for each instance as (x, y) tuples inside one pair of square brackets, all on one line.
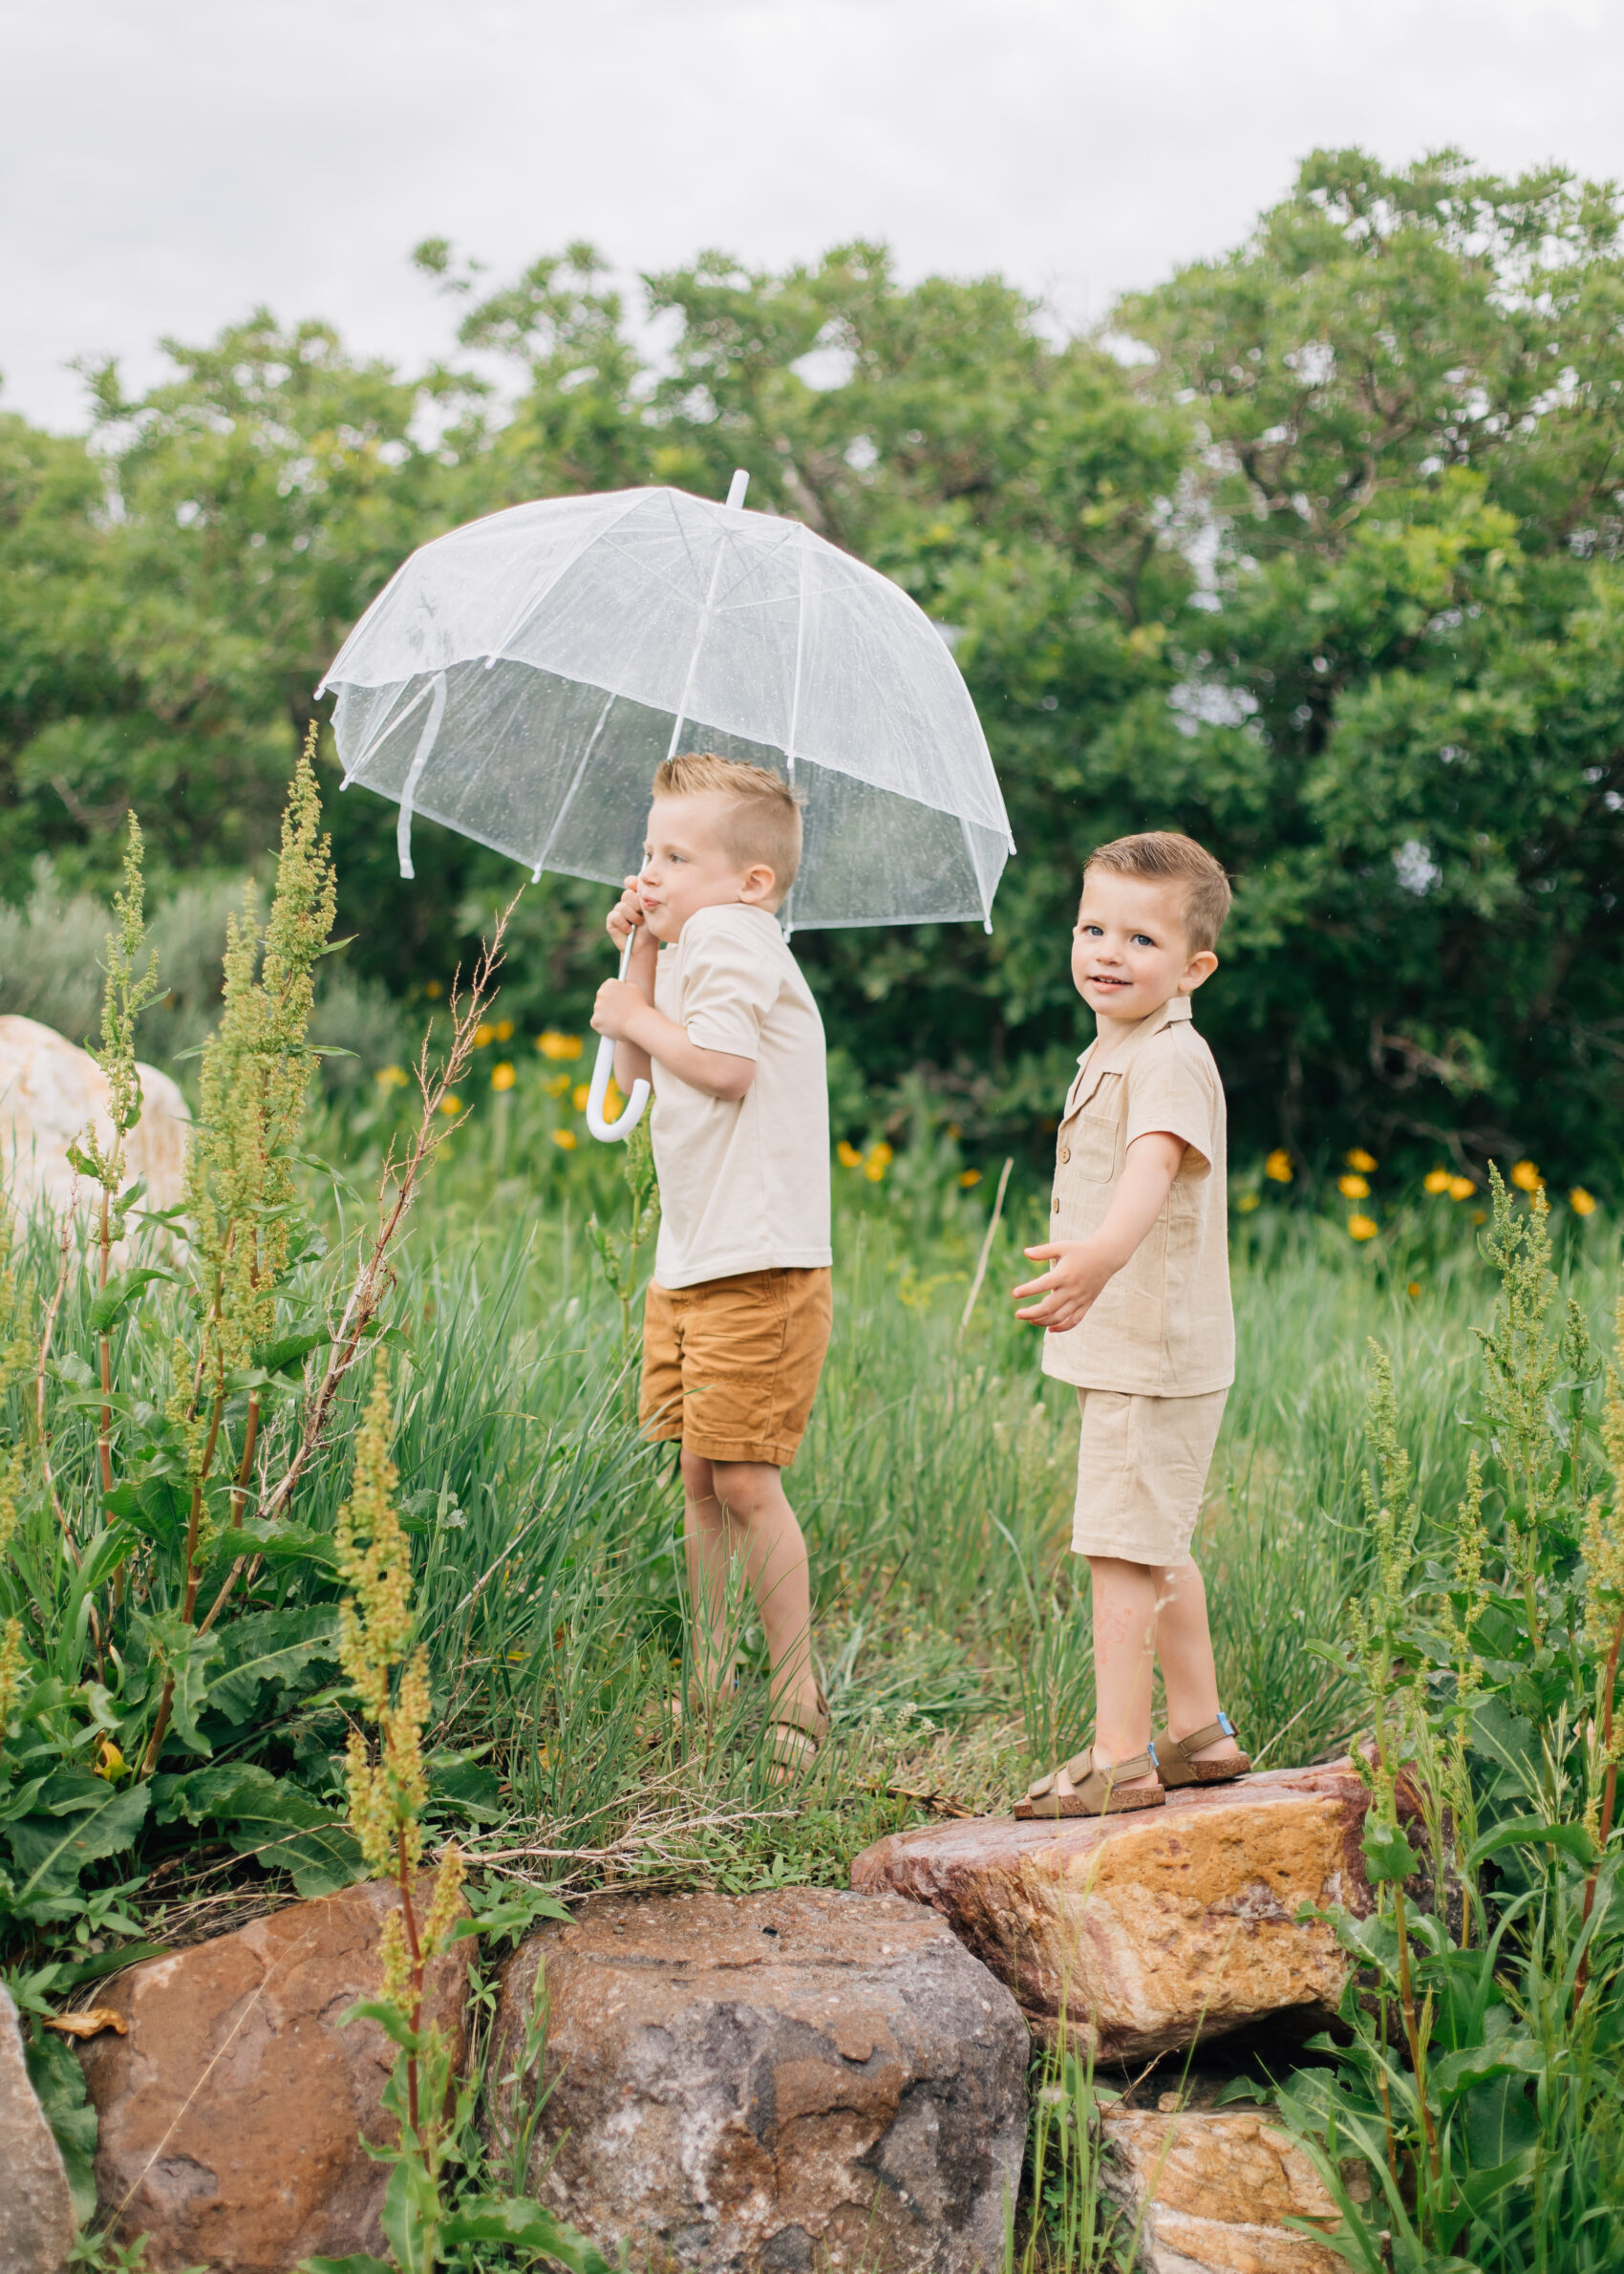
[(1164, 857), (763, 818)]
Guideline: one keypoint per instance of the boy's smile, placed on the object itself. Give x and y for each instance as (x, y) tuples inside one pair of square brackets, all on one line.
[(1130, 952)]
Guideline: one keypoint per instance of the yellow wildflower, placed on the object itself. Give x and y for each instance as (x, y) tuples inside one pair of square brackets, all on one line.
[(485, 1033), (1361, 1228), (579, 1095), (111, 1762), (1581, 1202), (501, 1077), (1461, 1187), (1353, 1188), (450, 1104), (1412, 1289), (1247, 1201), (882, 1152), (1437, 1180), (968, 1177), (390, 1078), (504, 1030), (1360, 1160), (1527, 1177), (1278, 1166), (849, 1155), (564, 1140), (557, 1085), (552, 1044), (434, 991)]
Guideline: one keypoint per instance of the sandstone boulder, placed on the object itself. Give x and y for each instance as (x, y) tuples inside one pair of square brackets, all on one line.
[(1210, 2193), (36, 2224), (50, 1092), (772, 2081), (1151, 1931), (232, 2115)]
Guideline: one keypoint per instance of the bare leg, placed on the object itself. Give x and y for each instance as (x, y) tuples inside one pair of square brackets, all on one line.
[(1124, 1603), (1183, 1645), (738, 1506)]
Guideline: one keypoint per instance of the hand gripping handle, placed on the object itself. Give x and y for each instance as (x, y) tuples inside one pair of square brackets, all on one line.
[(632, 1112)]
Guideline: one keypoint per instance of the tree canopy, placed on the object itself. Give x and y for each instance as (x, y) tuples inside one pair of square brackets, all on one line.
[(1312, 551)]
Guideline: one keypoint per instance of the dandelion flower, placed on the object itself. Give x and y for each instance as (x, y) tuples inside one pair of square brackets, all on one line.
[(873, 1169), (1437, 1180), (1353, 1188), (503, 1076), (450, 1104), (1412, 1289), (1461, 1187), (558, 1086), (552, 1044), (484, 1034), (390, 1077), (1581, 1202), (1362, 1228), (1359, 1159), (1527, 1177), (1278, 1166), (566, 1140), (579, 1095), (434, 991), (968, 1177), (504, 1030), (882, 1152), (849, 1155), (1247, 1201)]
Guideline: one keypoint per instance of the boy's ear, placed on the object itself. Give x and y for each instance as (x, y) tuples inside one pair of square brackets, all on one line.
[(1201, 966), (760, 883)]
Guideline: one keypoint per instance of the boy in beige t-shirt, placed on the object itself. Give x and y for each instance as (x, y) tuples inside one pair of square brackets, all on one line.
[(713, 1011), (1135, 1303)]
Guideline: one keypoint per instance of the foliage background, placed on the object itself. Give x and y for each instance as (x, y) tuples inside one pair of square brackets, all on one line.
[(1312, 551)]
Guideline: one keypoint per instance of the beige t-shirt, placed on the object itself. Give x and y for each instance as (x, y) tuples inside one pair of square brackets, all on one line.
[(1164, 1326), (744, 1183)]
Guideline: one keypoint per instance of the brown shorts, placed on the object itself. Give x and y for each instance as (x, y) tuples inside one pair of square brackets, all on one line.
[(731, 1366)]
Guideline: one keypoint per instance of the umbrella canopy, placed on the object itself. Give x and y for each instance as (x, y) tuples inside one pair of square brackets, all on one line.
[(521, 678)]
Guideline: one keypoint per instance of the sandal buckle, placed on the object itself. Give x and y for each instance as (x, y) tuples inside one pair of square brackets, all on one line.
[(1224, 1723)]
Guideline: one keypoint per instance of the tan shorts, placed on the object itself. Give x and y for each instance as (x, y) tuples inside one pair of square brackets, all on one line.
[(1141, 1472), (731, 1366)]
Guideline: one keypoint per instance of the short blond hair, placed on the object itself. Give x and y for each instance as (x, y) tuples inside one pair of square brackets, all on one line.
[(1164, 857), (763, 821)]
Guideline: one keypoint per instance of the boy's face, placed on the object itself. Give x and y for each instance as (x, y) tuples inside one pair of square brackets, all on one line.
[(1130, 954), (687, 866)]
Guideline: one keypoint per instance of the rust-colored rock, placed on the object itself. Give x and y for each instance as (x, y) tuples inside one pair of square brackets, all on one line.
[(232, 2115), (774, 2081), (1152, 1930), (1211, 2193), (50, 1092)]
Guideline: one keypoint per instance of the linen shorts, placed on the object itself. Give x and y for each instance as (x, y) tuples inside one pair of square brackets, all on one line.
[(731, 1366), (1141, 1469)]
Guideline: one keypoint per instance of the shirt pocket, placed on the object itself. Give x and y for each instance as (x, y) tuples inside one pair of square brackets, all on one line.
[(1088, 1148)]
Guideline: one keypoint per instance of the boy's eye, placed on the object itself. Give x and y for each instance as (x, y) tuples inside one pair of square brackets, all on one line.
[(1143, 939), (1090, 930)]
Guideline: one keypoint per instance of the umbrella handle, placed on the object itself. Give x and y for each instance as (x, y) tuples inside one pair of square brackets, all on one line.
[(632, 1112)]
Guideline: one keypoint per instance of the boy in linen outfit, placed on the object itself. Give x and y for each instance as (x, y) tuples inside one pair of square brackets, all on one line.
[(713, 1011), (1136, 1304)]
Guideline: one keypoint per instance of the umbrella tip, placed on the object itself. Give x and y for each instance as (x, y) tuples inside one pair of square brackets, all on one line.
[(736, 489)]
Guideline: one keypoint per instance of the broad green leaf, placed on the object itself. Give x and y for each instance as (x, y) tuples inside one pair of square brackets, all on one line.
[(59, 2083), (268, 1817), (289, 1350), (119, 1291), (180, 1655), (411, 2217), (390, 2019), (89, 1819), (525, 2225), (1387, 1851), (271, 1647), (1476, 2064), (1532, 1832)]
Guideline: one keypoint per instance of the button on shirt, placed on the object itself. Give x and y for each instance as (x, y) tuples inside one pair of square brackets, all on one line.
[(1164, 1326), (744, 1182)]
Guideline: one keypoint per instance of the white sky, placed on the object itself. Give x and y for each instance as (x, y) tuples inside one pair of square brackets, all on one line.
[(166, 164)]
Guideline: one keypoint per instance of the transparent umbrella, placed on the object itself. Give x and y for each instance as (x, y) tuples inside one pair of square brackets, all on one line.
[(521, 678)]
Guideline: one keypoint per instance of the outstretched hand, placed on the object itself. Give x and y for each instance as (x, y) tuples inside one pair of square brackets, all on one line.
[(1069, 1289)]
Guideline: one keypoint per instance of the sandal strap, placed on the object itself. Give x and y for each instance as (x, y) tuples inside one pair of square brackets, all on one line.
[(1123, 1772), (1199, 1740)]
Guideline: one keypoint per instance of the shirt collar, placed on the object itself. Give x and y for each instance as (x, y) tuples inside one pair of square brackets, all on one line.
[(1175, 1008)]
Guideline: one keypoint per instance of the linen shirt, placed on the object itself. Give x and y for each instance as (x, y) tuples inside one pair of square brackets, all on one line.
[(744, 1182), (1164, 1326)]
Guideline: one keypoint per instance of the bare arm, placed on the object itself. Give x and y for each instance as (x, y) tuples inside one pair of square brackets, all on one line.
[(1080, 1270), (625, 1009)]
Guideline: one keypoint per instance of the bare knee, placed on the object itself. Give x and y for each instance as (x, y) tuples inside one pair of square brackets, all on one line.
[(744, 1486)]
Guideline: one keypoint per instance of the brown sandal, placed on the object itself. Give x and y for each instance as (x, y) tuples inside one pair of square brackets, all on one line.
[(796, 1737), (1176, 1766), (1078, 1789)]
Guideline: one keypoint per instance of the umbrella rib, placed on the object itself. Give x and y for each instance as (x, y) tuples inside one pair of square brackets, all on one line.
[(533, 600), (575, 783)]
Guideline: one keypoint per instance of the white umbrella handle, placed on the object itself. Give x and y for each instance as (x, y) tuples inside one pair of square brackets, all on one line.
[(632, 1112)]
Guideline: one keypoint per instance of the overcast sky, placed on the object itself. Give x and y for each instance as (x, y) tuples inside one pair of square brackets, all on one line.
[(167, 164)]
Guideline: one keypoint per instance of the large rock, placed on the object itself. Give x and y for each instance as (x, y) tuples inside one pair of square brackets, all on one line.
[(1211, 2193), (773, 2081), (233, 2113), (1149, 1931), (49, 1093), (36, 2210)]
